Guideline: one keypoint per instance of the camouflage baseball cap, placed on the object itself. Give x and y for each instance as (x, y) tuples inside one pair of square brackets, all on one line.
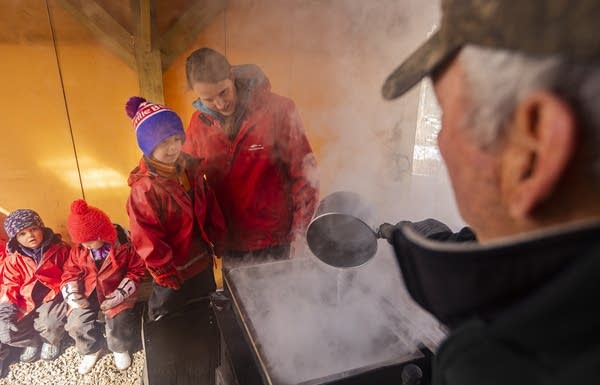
[(537, 27)]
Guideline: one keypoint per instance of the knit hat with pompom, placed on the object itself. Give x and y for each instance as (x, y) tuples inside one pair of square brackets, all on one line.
[(19, 220), (86, 223), (153, 123)]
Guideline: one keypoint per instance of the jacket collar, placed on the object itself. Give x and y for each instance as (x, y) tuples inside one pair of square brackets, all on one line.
[(457, 281), (144, 169)]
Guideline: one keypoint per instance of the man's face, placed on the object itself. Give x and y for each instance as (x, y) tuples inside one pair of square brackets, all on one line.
[(220, 96), (168, 150), (31, 237), (474, 173)]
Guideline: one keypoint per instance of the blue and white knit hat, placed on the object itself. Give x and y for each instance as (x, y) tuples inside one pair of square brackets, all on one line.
[(21, 219), (153, 123)]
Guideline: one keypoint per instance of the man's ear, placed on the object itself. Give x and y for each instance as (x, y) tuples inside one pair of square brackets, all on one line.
[(539, 149)]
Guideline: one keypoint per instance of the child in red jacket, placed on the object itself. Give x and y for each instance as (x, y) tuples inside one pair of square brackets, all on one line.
[(32, 311), (175, 220), (101, 274)]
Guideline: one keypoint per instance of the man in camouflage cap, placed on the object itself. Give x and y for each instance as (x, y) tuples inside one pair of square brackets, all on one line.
[(518, 83)]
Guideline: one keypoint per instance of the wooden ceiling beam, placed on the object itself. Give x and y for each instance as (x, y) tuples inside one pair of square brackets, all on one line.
[(103, 26), (187, 28), (144, 50)]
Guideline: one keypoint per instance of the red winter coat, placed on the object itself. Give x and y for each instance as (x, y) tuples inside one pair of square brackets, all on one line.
[(2, 258), (265, 178), (2, 255), (3, 240), (173, 234), (122, 261), (21, 273)]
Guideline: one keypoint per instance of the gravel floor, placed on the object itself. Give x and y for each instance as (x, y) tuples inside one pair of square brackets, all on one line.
[(63, 371)]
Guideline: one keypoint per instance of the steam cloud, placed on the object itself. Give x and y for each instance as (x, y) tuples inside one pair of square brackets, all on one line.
[(310, 320)]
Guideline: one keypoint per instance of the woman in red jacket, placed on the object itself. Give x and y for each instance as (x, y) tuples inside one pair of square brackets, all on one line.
[(32, 311), (101, 274), (258, 157), (175, 220)]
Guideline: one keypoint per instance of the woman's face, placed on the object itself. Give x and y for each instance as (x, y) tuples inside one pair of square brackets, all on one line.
[(31, 237), (168, 150), (220, 96)]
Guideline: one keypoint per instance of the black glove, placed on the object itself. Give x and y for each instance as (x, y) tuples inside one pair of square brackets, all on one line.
[(429, 228), (386, 231), (437, 231)]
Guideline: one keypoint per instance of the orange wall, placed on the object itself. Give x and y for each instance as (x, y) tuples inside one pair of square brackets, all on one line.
[(39, 170), (330, 56)]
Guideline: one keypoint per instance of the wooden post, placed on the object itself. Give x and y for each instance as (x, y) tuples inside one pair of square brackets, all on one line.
[(147, 51)]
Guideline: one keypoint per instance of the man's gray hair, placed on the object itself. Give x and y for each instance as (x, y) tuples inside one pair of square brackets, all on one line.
[(497, 80)]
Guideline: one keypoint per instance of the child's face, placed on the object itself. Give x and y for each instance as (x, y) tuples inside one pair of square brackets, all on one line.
[(93, 245), (31, 237), (168, 150)]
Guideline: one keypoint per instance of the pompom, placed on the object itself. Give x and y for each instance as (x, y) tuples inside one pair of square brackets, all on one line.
[(87, 223), (133, 104), (79, 207)]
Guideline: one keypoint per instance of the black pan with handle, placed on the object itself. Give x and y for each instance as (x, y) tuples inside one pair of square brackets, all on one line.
[(341, 233)]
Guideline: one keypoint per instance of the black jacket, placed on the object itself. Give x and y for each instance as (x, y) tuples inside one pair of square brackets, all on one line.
[(524, 311)]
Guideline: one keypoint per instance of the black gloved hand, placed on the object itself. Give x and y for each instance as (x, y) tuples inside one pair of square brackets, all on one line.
[(386, 230), (429, 228), (437, 231)]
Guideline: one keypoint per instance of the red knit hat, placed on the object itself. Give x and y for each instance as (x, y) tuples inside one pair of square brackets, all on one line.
[(86, 223)]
